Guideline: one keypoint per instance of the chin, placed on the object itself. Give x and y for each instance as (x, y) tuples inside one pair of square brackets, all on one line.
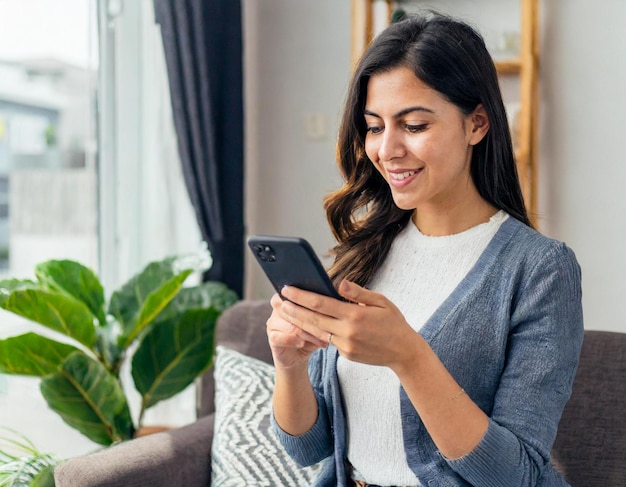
[(403, 204)]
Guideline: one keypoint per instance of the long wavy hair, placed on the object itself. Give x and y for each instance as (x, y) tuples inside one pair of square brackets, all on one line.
[(449, 56)]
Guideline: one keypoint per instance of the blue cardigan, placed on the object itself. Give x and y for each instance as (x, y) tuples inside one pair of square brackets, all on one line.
[(510, 334)]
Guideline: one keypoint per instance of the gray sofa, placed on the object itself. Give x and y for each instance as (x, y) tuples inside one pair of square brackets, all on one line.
[(179, 457), (589, 448)]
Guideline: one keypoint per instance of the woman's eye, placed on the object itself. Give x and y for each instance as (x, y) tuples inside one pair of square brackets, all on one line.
[(416, 128), (374, 130)]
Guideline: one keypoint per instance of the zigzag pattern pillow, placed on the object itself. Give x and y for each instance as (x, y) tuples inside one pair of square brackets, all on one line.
[(245, 451)]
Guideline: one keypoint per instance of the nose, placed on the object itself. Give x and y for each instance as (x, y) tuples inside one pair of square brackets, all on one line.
[(391, 145)]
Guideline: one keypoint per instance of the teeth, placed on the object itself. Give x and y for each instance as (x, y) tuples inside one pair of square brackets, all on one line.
[(402, 175)]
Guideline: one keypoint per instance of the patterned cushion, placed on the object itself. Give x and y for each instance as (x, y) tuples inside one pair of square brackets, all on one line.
[(245, 450)]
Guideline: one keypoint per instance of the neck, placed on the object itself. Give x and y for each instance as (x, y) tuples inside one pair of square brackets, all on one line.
[(437, 222)]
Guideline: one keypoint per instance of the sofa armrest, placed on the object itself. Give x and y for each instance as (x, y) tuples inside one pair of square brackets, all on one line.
[(178, 457), (242, 327)]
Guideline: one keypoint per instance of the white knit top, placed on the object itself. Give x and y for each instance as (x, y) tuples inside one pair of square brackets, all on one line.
[(419, 273)]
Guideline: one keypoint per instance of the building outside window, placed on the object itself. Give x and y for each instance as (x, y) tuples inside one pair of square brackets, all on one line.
[(48, 173), (47, 161), (89, 169)]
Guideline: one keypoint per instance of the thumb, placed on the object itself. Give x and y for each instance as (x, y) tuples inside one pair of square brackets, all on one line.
[(358, 294)]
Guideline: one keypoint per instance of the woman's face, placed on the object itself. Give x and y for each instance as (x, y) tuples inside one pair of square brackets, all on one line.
[(420, 142)]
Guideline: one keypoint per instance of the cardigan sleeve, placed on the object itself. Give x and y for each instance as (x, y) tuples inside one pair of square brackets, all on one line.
[(543, 349), (316, 444)]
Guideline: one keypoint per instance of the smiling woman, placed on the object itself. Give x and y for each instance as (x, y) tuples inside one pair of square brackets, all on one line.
[(422, 146), (511, 32), (448, 290)]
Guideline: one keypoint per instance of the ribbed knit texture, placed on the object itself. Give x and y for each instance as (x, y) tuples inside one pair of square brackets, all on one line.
[(419, 273)]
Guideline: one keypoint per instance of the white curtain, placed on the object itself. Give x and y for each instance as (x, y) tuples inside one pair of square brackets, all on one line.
[(154, 217)]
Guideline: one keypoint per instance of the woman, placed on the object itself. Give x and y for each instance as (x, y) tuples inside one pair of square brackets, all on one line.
[(454, 356)]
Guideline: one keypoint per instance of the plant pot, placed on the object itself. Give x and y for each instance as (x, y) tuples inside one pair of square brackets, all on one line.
[(149, 430)]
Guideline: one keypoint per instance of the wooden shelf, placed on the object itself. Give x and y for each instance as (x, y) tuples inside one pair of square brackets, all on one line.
[(509, 66)]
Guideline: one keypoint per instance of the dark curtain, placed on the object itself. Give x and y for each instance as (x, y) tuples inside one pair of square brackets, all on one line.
[(202, 40)]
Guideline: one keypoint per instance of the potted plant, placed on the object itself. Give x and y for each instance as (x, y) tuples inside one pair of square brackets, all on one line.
[(164, 329), (21, 463)]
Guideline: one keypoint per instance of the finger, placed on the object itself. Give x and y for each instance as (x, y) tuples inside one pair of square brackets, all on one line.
[(301, 335), (313, 301), (277, 323), (276, 301), (358, 294), (316, 324), (278, 339)]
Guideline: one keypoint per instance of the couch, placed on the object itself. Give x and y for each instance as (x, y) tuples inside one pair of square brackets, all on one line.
[(182, 456), (589, 449)]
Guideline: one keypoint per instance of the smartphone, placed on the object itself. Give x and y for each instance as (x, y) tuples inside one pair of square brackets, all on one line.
[(291, 261)]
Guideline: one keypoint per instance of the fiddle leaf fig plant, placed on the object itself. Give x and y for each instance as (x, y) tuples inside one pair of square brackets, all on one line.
[(164, 329)]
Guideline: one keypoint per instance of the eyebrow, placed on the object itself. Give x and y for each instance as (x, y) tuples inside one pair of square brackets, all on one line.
[(401, 113)]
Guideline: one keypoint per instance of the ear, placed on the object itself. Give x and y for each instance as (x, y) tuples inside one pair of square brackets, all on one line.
[(478, 123)]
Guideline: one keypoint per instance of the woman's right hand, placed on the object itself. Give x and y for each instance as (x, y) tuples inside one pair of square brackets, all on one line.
[(291, 346)]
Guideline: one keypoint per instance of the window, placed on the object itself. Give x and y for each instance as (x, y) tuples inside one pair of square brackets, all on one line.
[(89, 168), (48, 172), (48, 75)]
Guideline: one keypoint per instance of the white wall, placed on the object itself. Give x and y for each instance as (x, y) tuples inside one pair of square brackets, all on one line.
[(298, 63), (297, 66), (583, 166)]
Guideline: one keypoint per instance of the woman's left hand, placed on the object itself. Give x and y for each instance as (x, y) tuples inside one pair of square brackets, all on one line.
[(367, 329)]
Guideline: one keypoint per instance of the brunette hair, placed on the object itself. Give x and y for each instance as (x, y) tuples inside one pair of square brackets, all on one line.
[(449, 56)]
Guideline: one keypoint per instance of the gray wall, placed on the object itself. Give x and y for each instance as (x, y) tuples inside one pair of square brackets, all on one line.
[(297, 67), (298, 63), (583, 167)]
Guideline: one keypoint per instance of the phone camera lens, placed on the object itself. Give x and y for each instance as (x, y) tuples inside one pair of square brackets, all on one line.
[(265, 253)]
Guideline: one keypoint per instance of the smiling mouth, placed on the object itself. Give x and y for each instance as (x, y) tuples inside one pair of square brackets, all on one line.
[(400, 176)]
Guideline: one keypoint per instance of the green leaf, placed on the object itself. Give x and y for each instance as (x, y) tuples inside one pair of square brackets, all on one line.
[(32, 354), (211, 294), (89, 399), (173, 354), (45, 477), (128, 302), (152, 306), (20, 461), (57, 311), (7, 286), (76, 280), (128, 299), (107, 348), (24, 470)]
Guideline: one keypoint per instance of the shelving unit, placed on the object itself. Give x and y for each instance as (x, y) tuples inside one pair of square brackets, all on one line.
[(365, 18)]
